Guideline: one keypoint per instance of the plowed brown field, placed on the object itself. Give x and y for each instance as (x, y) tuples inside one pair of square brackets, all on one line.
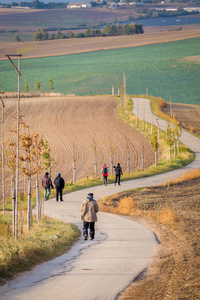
[(72, 125)]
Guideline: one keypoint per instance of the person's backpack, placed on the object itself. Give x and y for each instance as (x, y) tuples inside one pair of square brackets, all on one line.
[(57, 182), (105, 170)]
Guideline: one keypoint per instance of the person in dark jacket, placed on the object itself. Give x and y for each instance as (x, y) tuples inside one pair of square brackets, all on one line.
[(118, 173), (59, 185), (47, 185)]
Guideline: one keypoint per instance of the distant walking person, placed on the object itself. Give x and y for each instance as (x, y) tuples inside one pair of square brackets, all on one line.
[(89, 209), (118, 173), (59, 185), (47, 185), (104, 172)]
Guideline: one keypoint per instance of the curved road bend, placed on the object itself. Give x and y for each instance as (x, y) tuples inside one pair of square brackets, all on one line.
[(102, 268)]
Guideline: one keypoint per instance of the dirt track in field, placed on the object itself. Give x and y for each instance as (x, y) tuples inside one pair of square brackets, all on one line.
[(72, 125), (70, 46)]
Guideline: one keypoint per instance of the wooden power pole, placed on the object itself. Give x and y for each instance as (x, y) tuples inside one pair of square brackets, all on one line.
[(3, 159), (17, 154)]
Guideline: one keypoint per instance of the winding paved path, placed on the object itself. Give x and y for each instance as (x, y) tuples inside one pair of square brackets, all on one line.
[(102, 268)]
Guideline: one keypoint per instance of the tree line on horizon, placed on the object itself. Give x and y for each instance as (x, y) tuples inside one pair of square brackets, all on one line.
[(36, 4), (108, 30)]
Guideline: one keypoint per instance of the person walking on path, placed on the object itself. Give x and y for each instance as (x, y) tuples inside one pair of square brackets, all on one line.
[(104, 172), (47, 185), (118, 173), (59, 185), (89, 209)]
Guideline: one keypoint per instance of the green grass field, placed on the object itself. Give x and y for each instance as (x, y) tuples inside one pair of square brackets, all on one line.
[(163, 68)]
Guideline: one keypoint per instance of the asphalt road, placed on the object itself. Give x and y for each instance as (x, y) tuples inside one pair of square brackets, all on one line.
[(102, 268)]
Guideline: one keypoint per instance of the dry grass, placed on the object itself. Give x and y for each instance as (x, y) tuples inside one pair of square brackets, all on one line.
[(47, 239), (186, 175)]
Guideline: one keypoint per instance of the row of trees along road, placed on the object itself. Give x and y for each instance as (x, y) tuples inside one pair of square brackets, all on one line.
[(33, 157), (108, 30), (173, 131), (173, 134)]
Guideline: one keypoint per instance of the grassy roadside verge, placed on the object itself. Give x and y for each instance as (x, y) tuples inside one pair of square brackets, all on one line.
[(172, 211), (46, 240)]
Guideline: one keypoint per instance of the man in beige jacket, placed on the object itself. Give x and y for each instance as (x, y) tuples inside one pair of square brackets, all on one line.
[(89, 209)]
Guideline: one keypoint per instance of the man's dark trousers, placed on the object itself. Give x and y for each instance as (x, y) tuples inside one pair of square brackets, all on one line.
[(59, 191), (90, 225), (117, 178)]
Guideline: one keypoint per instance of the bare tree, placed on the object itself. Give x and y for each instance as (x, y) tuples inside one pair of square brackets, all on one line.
[(177, 132), (94, 147), (169, 138), (112, 153), (155, 145)]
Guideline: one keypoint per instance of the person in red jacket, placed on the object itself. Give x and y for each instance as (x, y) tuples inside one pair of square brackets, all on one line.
[(104, 172), (47, 185)]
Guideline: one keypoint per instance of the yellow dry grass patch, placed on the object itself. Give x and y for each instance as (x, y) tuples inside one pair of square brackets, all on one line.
[(186, 175), (128, 206)]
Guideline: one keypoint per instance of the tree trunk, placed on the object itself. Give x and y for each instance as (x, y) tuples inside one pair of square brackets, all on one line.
[(111, 166), (95, 168), (170, 158), (143, 161), (74, 172), (174, 148), (178, 146), (156, 156), (38, 200), (13, 203), (29, 204), (128, 164)]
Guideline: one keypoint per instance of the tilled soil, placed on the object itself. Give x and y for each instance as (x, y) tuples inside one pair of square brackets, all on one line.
[(80, 129), (188, 116)]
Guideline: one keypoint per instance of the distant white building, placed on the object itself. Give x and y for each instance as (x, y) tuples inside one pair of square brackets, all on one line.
[(164, 8), (79, 5), (189, 9)]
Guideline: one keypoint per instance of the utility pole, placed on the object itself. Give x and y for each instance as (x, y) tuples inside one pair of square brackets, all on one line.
[(170, 99), (124, 84), (17, 154), (3, 159), (124, 79), (147, 92)]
